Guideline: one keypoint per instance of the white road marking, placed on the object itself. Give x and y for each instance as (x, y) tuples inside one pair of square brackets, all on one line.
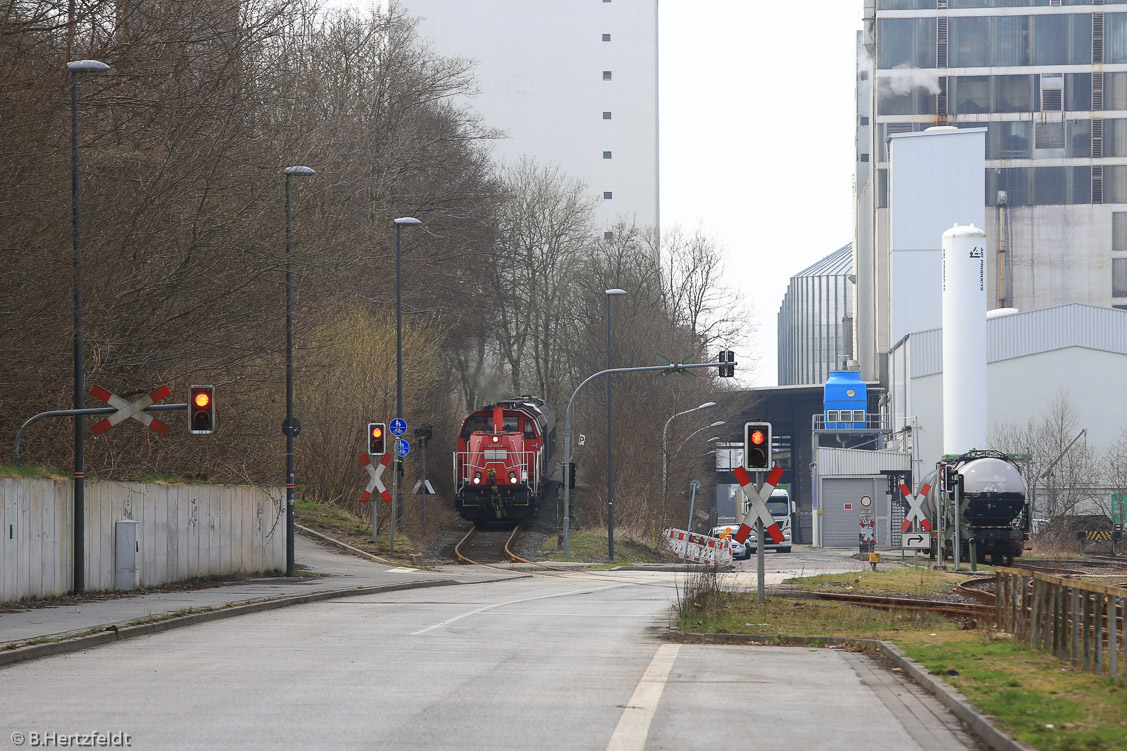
[(634, 725), (448, 621)]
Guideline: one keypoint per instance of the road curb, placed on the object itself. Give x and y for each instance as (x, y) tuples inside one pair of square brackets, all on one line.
[(979, 724), (122, 630)]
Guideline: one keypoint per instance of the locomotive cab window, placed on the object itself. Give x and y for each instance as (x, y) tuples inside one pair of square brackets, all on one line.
[(477, 423)]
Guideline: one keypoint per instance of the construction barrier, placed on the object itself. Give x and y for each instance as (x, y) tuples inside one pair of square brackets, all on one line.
[(714, 551)]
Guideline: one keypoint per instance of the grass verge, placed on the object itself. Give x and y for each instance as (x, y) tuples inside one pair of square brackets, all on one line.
[(341, 524), (592, 546), (1039, 700)]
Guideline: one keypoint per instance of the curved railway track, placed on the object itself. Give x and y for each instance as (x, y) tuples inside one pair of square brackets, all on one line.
[(483, 547)]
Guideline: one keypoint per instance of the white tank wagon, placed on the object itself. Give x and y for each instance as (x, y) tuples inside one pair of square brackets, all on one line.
[(996, 514)]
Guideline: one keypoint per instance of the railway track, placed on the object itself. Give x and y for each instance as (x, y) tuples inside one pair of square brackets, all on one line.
[(946, 607), (482, 546)]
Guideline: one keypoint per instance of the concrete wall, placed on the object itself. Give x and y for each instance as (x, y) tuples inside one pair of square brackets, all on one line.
[(184, 531)]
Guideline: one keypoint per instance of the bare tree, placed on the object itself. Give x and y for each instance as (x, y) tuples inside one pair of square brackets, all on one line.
[(1063, 471), (545, 226)]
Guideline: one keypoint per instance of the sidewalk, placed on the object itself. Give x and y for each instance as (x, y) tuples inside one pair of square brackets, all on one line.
[(341, 575)]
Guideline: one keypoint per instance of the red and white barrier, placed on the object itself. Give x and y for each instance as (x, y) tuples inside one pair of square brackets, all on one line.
[(715, 551)]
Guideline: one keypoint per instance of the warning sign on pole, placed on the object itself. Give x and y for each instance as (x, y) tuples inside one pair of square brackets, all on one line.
[(127, 409), (375, 473), (758, 504)]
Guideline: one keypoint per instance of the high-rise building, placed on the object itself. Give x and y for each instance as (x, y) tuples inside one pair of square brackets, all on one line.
[(570, 83), (815, 321), (1048, 81)]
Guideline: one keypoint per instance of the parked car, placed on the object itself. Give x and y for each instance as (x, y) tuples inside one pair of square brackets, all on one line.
[(740, 551)]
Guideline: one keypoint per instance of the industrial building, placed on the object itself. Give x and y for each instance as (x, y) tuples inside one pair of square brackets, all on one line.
[(1076, 352), (1048, 82), (816, 321), (572, 84)]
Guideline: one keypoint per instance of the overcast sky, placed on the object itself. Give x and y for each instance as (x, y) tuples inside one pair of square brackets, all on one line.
[(757, 139)]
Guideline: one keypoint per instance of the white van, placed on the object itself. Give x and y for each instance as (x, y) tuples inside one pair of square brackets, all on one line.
[(782, 508)]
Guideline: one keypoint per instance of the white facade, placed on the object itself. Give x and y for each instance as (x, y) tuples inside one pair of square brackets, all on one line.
[(1078, 351), (935, 182), (570, 83)]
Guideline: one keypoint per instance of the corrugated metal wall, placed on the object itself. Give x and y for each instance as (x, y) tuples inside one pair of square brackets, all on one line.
[(1023, 334), (843, 477), (812, 337), (841, 510), (839, 462)]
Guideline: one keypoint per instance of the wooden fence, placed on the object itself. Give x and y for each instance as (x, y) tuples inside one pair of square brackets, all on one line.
[(1080, 622)]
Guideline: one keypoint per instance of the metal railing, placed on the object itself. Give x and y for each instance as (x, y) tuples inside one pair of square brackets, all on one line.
[(1079, 622), (844, 421)]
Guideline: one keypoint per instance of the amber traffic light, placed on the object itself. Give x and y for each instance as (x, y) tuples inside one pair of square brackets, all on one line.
[(201, 410), (377, 438)]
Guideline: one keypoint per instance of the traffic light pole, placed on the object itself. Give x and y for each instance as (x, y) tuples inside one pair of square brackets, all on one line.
[(78, 413), (567, 431)]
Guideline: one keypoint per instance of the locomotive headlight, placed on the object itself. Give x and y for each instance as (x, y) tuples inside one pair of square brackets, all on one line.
[(476, 478), (513, 478), (496, 439)]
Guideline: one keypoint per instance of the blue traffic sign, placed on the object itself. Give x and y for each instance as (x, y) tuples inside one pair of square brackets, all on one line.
[(398, 426), (402, 447)]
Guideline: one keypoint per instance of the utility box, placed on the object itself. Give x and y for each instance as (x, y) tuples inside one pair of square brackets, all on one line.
[(125, 555)]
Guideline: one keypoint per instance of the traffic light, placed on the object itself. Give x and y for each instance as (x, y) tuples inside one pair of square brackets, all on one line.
[(727, 363), (201, 410), (377, 438), (757, 446)]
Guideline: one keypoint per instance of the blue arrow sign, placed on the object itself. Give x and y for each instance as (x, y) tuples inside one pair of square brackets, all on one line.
[(398, 426), (402, 447)]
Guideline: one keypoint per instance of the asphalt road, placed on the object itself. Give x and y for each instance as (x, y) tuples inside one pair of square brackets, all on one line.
[(557, 663)]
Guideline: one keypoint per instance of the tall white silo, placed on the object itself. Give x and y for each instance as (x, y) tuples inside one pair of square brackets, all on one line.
[(964, 339)]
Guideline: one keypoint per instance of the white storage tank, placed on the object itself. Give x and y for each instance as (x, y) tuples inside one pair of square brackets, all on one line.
[(964, 339)]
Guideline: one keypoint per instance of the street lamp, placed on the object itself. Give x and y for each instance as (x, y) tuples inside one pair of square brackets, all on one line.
[(665, 454), (76, 67), (716, 424), (290, 427), (610, 435), (400, 223)]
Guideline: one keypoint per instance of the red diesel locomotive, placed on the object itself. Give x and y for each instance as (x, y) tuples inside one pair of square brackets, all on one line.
[(503, 463)]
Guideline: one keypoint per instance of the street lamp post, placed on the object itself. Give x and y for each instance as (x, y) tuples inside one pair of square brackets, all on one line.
[(687, 438), (610, 436), (400, 223), (290, 427), (716, 424), (665, 454), (76, 67)]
